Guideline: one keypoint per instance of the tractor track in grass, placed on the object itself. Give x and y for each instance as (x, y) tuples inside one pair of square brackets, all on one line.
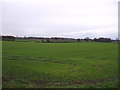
[(93, 81), (37, 59), (42, 83), (53, 61), (87, 82)]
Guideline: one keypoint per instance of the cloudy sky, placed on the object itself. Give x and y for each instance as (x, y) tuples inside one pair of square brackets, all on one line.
[(61, 18)]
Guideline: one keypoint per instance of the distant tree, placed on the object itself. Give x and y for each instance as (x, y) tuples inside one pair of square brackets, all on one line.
[(87, 39), (78, 40), (104, 40), (8, 38), (47, 40), (24, 37), (42, 40), (95, 39)]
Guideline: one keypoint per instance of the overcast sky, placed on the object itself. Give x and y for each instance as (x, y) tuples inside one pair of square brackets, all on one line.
[(61, 18)]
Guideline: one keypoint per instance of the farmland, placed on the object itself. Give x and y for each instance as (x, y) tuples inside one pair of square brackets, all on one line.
[(59, 65)]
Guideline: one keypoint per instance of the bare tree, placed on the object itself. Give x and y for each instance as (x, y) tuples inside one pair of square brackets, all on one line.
[(87, 39)]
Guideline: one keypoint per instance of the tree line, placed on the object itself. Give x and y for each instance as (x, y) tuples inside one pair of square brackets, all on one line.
[(48, 40)]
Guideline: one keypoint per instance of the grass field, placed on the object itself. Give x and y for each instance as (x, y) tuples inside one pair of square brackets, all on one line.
[(59, 65)]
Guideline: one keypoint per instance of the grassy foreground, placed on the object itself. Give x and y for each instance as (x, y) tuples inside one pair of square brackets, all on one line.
[(59, 65)]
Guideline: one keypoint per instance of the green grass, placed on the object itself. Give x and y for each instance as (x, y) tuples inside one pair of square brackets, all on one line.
[(28, 40), (64, 65)]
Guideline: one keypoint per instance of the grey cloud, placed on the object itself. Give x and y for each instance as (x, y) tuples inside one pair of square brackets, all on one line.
[(72, 19)]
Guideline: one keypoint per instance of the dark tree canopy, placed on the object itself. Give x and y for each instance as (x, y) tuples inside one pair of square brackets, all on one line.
[(8, 38), (78, 40)]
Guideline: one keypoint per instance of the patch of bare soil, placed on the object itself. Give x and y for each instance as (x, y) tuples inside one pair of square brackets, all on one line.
[(4, 79), (39, 83)]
